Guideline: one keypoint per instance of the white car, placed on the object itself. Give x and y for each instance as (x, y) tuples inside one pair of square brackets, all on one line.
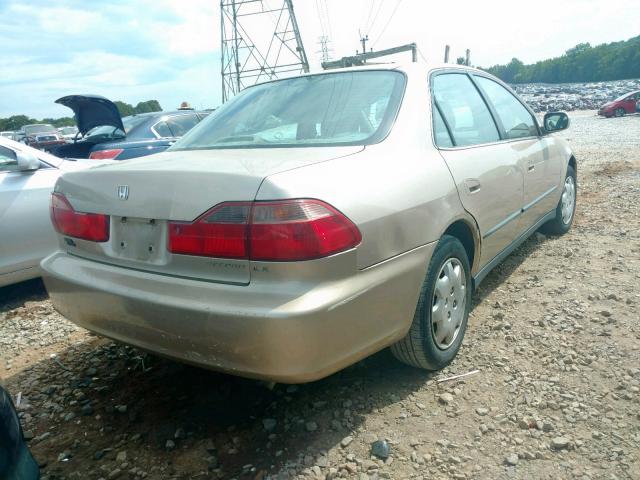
[(27, 177)]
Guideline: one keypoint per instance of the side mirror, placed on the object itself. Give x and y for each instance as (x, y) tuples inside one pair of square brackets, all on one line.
[(555, 121), (27, 161)]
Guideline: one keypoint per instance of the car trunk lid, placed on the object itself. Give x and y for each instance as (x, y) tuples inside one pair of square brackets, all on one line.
[(92, 111), (142, 195)]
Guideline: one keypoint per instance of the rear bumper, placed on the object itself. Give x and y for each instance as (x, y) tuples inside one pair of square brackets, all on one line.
[(276, 331)]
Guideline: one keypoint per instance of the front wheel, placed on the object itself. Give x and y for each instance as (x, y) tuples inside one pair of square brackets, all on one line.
[(619, 112), (440, 320), (566, 209)]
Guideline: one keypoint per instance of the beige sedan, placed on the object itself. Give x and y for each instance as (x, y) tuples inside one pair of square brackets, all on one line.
[(312, 221)]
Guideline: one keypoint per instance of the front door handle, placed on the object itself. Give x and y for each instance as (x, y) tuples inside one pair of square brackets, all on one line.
[(531, 167), (473, 185)]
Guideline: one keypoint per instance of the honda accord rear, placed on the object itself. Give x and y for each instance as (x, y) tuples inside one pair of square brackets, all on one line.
[(312, 221)]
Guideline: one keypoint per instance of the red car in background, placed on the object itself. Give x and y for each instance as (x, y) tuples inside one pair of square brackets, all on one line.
[(627, 103)]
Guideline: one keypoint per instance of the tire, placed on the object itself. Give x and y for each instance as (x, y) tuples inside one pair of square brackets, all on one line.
[(421, 347), (619, 112), (562, 223)]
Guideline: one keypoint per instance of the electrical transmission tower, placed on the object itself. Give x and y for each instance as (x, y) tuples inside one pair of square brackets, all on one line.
[(250, 52), (325, 50)]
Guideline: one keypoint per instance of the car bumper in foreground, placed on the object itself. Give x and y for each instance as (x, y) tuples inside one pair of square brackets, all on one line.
[(280, 331)]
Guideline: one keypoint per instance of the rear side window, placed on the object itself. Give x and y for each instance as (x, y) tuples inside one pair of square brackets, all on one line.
[(440, 132), (464, 110), (181, 124), (163, 130), (515, 118)]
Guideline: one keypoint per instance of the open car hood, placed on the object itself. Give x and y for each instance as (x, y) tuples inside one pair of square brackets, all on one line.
[(92, 111)]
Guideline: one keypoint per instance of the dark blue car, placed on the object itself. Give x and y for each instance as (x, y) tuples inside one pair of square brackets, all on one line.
[(103, 134)]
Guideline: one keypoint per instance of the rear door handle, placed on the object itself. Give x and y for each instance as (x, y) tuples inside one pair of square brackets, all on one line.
[(531, 167), (473, 185)]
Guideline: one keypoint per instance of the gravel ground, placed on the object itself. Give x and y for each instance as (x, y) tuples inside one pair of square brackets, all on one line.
[(554, 333)]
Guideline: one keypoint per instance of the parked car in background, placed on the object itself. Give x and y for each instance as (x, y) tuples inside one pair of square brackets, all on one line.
[(68, 133), (313, 221), (27, 177), (41, 136), (8, 134), (623, 105), (105, 135)]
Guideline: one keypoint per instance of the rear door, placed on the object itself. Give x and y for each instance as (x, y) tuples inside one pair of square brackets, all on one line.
[(487, 172), (541, 164), (26, 234)]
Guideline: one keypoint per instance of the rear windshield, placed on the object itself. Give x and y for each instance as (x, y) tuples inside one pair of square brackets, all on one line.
[(347, 108)]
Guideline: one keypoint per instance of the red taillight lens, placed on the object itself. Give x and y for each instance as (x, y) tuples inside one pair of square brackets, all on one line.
[(105, 154), (220, 232), (299, 230), (285, 230), (86, 226)]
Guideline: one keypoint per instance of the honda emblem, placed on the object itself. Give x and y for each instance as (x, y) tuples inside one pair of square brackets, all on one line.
[(123, 192)]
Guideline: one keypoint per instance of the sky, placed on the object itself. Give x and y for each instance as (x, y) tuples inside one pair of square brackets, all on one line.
[(169, 50)]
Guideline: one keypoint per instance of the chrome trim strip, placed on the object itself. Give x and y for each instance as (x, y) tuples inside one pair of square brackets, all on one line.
[(539, 199), (494, 229)]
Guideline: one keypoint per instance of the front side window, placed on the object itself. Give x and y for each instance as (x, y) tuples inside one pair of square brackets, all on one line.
[(351, 108), (8, 160), (515, 118), (464, 109)]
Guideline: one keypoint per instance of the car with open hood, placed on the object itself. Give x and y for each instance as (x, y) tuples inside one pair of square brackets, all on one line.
[(312, 221), (623, 105), (104, 134)]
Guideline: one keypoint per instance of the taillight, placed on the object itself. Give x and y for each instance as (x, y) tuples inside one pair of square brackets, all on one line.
[(286, 230), (220, 232), (299, 230), (105, 154), (86, 226)]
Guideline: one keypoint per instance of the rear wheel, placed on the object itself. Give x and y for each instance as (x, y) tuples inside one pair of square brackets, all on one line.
[(619, 112), (440, 320), (565, 211)]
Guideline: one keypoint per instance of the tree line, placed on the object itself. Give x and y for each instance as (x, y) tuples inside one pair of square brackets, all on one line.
[(16, 122), (582, 63)]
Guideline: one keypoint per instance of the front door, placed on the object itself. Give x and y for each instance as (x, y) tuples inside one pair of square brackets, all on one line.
[(540, 159)]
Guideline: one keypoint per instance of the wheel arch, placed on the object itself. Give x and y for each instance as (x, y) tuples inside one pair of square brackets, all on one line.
[(466, 230)]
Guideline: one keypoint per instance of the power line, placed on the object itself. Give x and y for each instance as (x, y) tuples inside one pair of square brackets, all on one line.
[(373, 23), (387, 24), (366, 24)]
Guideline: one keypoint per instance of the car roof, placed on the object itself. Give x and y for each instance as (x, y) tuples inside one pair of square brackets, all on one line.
[(410, 68)]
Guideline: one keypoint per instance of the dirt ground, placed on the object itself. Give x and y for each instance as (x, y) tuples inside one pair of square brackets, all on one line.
[(554, 333)]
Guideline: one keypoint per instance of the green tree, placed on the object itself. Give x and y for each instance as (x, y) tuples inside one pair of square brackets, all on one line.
[(148, 106), (125, 109), (582, 63)]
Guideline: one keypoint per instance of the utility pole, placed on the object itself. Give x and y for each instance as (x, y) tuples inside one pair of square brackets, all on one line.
[(364, 41), (447, 48), (246, 62)]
